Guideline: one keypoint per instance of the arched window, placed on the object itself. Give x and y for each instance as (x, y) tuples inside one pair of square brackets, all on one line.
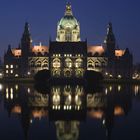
[(38, 63), (68, 62), (56, 63), (78, 63)]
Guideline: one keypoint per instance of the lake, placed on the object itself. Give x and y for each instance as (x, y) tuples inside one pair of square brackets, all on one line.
[(69, 112)]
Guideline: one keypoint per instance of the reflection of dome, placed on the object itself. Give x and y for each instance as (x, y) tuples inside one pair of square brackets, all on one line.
[(68, 28), (67, 130)]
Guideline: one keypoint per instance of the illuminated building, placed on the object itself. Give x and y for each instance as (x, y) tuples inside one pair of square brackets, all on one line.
[(68, 56)]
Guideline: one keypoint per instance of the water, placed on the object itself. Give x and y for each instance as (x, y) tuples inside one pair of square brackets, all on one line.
[(69, 112)]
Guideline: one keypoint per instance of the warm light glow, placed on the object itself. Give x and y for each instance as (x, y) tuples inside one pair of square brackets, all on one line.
[(41, 49), (16, 109), (96, 49), (11, 71), (119, 53), (119, 76), (96, 114), (118, 111), (7, 71), (119, 87), (16, 75), (39, 113), (11, 66), (16, 52), (7, 66), (1, 87)]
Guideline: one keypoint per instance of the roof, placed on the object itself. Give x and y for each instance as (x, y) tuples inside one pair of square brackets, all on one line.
[(16, 52), (119, 53), (41, 49), (95, 49)]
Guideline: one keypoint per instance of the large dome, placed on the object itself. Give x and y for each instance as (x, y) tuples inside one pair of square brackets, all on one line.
[(68, 28), (68, 21)]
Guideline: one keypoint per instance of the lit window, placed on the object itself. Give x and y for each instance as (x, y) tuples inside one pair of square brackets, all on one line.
[(11, 66), (7, 66), (16, 75), (11, 71), (56, 63), (6, 71)]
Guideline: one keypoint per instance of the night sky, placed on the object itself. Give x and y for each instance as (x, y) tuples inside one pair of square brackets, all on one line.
[(93, 16)]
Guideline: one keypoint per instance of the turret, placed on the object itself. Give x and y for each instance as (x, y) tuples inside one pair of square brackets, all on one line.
[(9, 51)]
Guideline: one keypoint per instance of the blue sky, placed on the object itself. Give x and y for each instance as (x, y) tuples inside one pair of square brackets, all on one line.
[(93, 16)]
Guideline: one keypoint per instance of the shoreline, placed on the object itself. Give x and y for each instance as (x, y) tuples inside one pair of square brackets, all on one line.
[(105, 81)]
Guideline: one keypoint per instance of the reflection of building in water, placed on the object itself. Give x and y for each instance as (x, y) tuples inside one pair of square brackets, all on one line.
[(116, 101), (67, 130), (67, 98), (67, 106), (19, 101)]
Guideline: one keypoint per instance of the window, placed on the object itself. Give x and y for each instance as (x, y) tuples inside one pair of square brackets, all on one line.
[(6, 71), (56, 63), (68, 62), (7, 66), (11, 66), (11, 71)]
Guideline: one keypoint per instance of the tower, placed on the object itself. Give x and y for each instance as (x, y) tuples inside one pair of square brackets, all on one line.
[(26, 49), (110, 42), (68, 54), (68, 28)]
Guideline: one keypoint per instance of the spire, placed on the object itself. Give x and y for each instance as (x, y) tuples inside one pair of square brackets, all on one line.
[(68, 11), (26, 38), (26, 29), (9, 51), (110, 34), (109, 28), (110, 41)]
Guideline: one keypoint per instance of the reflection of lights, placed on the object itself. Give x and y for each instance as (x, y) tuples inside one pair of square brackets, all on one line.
[(11, 95), (7, 95), (16, 75), (16, 87), (136, 89), (119, 87), (7, 90), (11, 90), (29, 90), (103, 121), (119, 76), (28, 73), (110, 88), (118, 110), (56, 107), (31, 121), (56, 99), (1, 87), (64, 107), (106, 73), (106, 91)]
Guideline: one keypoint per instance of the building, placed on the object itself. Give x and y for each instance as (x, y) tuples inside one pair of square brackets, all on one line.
[(68, 56)]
